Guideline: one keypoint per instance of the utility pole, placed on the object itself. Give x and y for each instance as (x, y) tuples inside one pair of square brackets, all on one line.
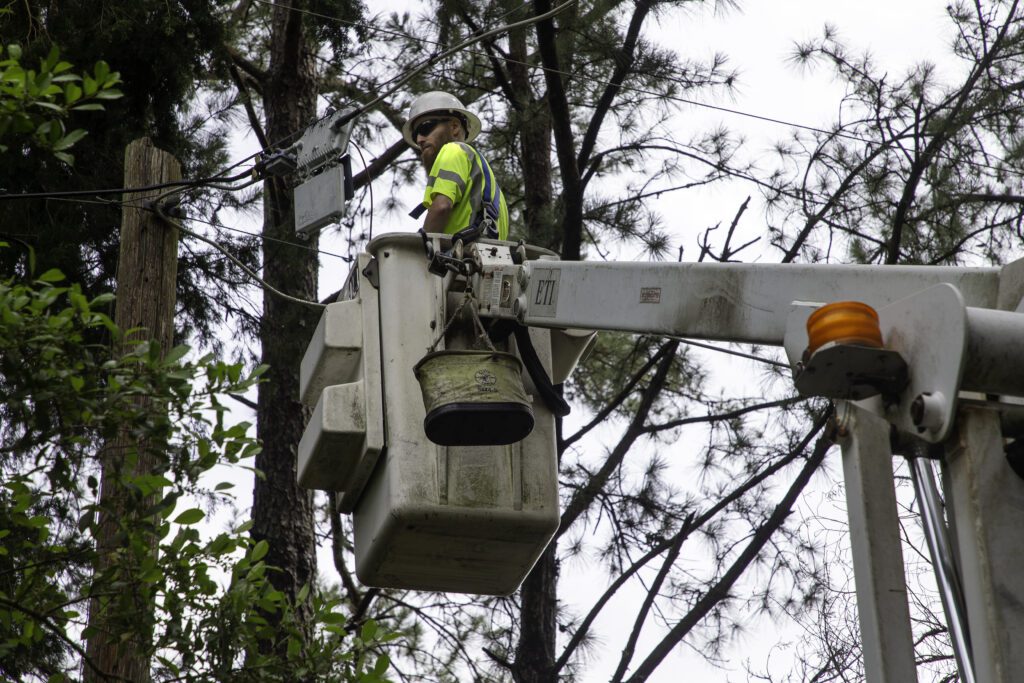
[(146, 274)]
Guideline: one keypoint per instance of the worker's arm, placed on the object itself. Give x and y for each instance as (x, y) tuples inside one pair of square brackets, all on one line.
[(438, 213)]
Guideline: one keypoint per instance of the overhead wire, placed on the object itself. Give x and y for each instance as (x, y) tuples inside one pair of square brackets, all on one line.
[(277, 240), (731, 352), (358, 111), (425, 63), (399, 81), (178, 185), (369, 186), (231, 257), (403, 78), (220, 226), (159, 211), (682, 100), (266, 238), (399, 34), (371, 27)]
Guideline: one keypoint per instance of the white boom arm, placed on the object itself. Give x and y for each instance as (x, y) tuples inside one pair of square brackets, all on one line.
[(943, 323), (731, 302)]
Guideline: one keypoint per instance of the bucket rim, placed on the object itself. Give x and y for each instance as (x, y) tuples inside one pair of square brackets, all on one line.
[(468, 352)]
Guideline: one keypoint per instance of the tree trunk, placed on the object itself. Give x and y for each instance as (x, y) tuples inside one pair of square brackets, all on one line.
[(555, 227), (146, 274), (538, 626), (532, 119), (282, 511), (571, 215)]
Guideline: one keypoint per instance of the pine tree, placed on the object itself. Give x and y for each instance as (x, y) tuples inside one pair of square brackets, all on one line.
[(288, 83)]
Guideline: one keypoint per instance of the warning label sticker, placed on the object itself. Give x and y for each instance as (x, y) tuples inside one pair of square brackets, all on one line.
[(650, 295)]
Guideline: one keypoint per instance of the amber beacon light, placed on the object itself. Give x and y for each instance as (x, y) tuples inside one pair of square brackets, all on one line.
[(843, 322)]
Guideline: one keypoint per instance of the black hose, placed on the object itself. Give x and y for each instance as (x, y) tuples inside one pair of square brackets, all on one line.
[(552, 399)]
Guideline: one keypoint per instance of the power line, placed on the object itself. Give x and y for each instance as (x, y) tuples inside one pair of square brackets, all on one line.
[(221, 226), (399, 34), (158, 210), (369, 186), (348, 117), (246, 269), (676, 98), (411, 73), (732, 352), (402, 78), (267, 238), (346, 259), (455, 50), (185, 184), (371, 27)]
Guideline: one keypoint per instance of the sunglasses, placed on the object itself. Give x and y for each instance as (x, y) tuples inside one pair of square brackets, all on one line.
[(424, 128)]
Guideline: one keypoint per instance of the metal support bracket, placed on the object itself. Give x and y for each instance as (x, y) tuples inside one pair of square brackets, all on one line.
[(882, 605), (930, 330)]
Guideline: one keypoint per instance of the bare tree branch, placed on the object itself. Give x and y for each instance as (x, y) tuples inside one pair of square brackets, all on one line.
[(615, 401), (721, 589), (386, 158), (722, 417), (624, 59), (583, 497), (645, 608), (250, 110), (254, 70)]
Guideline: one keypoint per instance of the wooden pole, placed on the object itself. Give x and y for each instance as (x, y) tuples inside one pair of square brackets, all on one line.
[(148, 264), (146, 274)]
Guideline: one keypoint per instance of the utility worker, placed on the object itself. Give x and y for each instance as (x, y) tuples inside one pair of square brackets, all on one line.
[(461, 191)]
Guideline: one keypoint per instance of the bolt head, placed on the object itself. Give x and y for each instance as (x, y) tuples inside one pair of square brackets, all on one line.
[(917, 410)]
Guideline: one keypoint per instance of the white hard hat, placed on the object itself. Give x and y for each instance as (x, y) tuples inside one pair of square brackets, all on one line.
[(438, 102)]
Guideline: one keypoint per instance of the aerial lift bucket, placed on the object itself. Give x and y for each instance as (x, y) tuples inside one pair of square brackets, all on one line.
[(452, 482)]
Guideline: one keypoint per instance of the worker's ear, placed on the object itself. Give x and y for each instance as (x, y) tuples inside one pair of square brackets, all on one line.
[(456, 129)]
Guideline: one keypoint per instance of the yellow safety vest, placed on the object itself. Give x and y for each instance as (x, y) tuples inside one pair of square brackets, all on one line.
[(464, 176)]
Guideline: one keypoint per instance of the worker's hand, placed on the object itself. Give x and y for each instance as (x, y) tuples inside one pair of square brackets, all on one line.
[(438, 213)]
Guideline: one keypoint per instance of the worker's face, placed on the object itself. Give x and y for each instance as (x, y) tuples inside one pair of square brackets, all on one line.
[(431, 134)]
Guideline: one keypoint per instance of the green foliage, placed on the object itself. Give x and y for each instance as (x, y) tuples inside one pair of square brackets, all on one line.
[(207, 599), (168, 56), (35, 103)]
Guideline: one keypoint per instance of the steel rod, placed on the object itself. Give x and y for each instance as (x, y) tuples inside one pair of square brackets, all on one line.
[(946, 574)]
